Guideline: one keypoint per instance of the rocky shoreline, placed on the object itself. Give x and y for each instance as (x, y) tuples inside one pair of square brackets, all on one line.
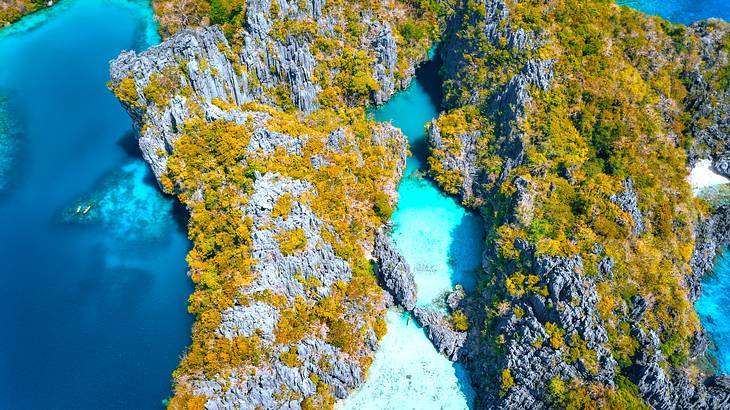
[(302, 327), (561, 305), (539, 324)]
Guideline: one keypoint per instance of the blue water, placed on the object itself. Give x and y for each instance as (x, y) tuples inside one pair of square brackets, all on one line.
[(443, 244), (94, 286), (682, 11), (714, 310)]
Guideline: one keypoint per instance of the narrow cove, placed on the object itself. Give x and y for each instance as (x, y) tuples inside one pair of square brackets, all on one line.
[(443, 243)]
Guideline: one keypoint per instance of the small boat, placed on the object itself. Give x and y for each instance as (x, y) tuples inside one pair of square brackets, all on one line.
[(87, 209), (78, 209)]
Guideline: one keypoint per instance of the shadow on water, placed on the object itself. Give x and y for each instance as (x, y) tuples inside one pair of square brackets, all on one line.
[(181, 215), (427, 75), (466, 249), (130, 145)]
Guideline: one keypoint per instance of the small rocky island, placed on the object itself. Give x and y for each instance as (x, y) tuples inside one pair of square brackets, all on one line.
[(570, 126)]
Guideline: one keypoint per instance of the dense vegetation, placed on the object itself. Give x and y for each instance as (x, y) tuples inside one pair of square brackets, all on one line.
[(615, 113), (213, 157), (344, 63), (13, 10), (353, 186)]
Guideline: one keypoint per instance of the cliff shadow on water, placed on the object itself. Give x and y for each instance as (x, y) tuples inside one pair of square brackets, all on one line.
[(427, 76), (129, 143)]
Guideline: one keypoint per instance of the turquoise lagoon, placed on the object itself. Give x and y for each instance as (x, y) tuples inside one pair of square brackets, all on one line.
[(443, 244), (94, 285)]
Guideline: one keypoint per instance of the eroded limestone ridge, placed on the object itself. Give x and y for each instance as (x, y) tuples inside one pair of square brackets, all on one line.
[(258, 126), (571, 126)]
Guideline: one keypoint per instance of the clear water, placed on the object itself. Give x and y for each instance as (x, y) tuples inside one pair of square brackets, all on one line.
[(682, 11), (443, 244), (94, 300), (714, 310)]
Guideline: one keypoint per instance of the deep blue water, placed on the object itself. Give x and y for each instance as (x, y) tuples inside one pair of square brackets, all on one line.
[(94, 304), (682, 11)]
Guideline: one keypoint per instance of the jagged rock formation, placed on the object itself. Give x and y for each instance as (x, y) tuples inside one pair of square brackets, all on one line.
[(311, 273), (301, 317), (558, 331), (710, 110), (628, 202), (711, 235), (440, 331), (396, 278), (394, 273)]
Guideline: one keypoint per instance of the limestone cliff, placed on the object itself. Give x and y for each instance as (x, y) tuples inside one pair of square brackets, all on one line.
[(259, 129), (570, 126)]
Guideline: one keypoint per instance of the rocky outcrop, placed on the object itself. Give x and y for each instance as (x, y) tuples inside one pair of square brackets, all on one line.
[(196, 72), (194, 76), (463, 162), (709, 99), (533, 334), (629, 203), (506, 104), (711, 235), (267, 388), (173, 66), (439, 330), (664, 388), (386, 65), (394, 274), (541, 312)]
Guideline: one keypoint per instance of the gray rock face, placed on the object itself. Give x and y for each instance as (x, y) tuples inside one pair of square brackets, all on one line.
[(568, 298), (711, 235), (670, 389), (508, 103), (210, 86), (178, 60), (306, 274), (268, 387), (455, 297), (199, 67), (394, 273), (196, 74), (629, 203), (438, 329), (386, 64), (287, 274), (249, 320), (708, 103), (464, 162), (570, 305)]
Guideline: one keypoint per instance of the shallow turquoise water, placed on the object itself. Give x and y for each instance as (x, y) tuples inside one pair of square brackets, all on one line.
[(714, 310), (94, 276), (443, 245), (682, 11)]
